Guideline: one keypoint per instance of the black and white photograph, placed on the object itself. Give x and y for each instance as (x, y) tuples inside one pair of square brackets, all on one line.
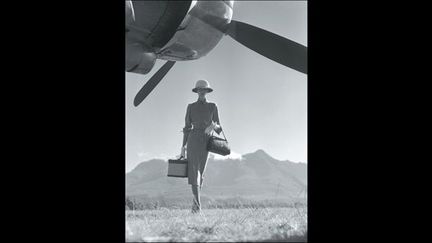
[(216, 121)]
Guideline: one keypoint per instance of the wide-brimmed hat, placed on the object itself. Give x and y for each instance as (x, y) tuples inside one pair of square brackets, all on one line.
[(202, 84)]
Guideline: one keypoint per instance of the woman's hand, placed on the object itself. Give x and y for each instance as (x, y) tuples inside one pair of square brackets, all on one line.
[(183, 152), (211, 127)]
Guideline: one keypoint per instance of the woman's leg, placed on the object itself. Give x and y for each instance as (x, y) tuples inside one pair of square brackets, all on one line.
[(197, 202)]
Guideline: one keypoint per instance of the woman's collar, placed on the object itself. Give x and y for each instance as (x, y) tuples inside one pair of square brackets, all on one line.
[(202, 101)]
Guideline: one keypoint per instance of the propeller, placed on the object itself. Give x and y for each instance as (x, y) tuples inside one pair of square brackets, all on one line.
[(153, 81), (270, 45), (275, 47)]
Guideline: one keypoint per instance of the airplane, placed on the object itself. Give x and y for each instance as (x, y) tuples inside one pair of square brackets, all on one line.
[(187, 30)]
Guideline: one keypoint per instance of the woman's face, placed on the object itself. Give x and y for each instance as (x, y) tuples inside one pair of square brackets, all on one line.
[(202, 92)]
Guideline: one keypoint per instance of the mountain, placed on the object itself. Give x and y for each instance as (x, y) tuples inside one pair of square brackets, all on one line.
[(257, 175)]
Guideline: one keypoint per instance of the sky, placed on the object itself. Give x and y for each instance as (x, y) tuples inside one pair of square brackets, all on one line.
[(262, 104)]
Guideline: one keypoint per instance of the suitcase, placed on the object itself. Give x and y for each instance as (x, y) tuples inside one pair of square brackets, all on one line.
[(178, 167)]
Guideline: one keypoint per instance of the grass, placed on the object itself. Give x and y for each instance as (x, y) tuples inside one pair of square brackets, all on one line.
[(235, 225)]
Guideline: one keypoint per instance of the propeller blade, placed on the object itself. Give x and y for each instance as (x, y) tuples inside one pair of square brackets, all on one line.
[(270, 45), (153, 81)]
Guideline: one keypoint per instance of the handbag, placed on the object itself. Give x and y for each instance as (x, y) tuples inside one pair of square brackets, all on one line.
[(218, 145), (178, 167)]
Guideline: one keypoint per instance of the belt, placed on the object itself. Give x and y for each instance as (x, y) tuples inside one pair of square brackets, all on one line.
[(198, 129)]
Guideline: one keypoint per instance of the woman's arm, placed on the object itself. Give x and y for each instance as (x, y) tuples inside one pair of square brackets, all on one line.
[(188, 126), (218, 128)]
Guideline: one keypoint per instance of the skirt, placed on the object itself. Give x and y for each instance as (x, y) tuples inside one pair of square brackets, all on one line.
[(197, 155)]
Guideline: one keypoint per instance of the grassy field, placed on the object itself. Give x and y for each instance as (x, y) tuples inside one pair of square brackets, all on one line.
[(287, 224)]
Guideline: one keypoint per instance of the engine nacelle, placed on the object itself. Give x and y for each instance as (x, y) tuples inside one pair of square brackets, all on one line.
[(200, 31), (138, 59), (173, 30)]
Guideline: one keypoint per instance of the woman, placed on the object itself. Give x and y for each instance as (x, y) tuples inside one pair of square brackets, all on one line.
[(201, 119)]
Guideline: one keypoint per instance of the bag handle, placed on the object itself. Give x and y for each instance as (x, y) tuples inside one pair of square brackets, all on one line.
[(222, 134)]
